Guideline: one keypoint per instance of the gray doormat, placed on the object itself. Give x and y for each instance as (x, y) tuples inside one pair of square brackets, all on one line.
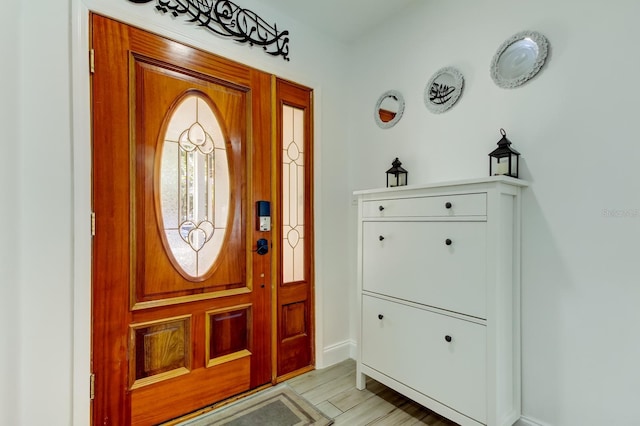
[(277, 406)]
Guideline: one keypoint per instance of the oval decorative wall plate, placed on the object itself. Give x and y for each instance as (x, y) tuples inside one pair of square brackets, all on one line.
[(519, 59), (443, 89), (389, 109)]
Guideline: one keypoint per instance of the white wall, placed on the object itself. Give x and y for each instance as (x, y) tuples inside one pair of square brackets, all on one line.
[(44, 185), (9, 214), (576, 127)]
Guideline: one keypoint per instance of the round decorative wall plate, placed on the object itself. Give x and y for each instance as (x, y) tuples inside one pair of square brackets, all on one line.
[(443, 89), (519, 59), (389, 109)]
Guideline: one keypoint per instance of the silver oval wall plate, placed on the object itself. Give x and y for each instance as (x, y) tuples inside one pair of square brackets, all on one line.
[(443, 89), (519, 59)]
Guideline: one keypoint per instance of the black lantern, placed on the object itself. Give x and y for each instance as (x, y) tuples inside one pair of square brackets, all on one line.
[(396, 175), (504, 160)]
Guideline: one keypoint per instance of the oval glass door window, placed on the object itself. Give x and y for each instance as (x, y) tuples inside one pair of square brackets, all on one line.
[(193, 186)]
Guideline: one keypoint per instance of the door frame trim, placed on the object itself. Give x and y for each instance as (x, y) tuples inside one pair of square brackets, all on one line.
[(81, 173)]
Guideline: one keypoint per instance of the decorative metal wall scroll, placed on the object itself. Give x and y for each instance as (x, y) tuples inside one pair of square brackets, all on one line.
[(443, 89), (227, 19)]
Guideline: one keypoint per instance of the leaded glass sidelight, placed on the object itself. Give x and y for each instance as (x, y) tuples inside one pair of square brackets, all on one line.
[(194, 186), (293, 183)]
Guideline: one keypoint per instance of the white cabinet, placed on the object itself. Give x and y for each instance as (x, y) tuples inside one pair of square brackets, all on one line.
[(439, 296)]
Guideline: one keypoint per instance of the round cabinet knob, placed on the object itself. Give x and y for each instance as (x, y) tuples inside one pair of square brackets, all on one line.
[(380, 208), (448, 338), (448, 205), (448, 242), (381, 238), (380, 316)]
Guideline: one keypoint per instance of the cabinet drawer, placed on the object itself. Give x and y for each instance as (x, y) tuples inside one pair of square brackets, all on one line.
[(436, 206), (412, 261), (410, 345)]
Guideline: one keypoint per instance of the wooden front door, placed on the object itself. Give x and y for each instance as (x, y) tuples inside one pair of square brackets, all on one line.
[(181, 297)]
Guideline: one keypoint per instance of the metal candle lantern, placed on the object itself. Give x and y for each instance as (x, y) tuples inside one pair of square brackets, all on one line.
[(504, 160), (396, 175)]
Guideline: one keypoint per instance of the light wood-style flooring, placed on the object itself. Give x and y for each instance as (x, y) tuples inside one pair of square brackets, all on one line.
[(333, 391)]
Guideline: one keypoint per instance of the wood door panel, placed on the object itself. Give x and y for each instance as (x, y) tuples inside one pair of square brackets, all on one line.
[(198, 311), (198, 61), (159, 86), (294, 320), (260, 179), (188, 395), (110, 342), (295, 350)]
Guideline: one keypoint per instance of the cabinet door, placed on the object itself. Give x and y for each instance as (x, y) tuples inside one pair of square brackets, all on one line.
[(440, 264), (411, 345)]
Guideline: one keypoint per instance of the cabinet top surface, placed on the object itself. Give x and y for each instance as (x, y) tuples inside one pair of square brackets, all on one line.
[(485, 180)]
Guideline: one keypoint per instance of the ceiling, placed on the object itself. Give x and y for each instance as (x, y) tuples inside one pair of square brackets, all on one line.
[(346, 20)]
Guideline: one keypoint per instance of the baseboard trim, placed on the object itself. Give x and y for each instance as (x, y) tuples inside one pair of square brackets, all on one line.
[(528, 421), (338, 352)]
